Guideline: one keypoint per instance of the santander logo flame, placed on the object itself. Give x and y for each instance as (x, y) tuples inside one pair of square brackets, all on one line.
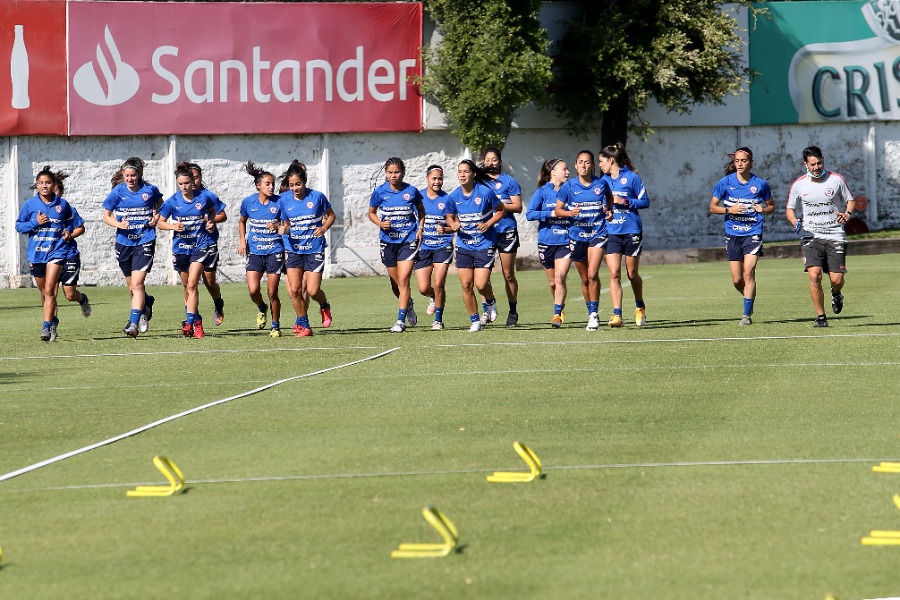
[(120, 82)]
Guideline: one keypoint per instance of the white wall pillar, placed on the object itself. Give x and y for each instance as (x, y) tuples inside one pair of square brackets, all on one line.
[(13, 245), (871, 175)]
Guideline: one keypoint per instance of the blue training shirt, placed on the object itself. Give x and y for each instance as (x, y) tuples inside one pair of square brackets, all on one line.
[(627, 185), (45, 242), (305, 215), (477, 207), (591, 199), (730, 192), (191, 213), (71, 245), (398, 207), (219, 207), (260, 239), (135, 207), (435, 214), (552, 231), (505, 186)]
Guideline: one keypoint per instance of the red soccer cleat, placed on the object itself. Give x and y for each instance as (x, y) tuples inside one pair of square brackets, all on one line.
[(198, 330)]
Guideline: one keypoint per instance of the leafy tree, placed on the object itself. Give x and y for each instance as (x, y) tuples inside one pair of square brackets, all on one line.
[(491, 62), (620, 53)]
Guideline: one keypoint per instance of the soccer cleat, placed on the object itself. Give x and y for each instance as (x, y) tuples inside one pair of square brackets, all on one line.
[(556, 321), (431, 306), (821, 321), (640, 316), (746, 320), (85, 306), (437, 326), (53, 334), (326, 317), (131, 330), (475, 326), (198, 330), (593, 322), (45, 334), (274, 332), (837, 302), (301, 331), (411, 317), (399, 327), (615, 321), (218, 316), (261, 320), (143, 322), (483, 319), (187, 330), (512, 320), (492, 312)]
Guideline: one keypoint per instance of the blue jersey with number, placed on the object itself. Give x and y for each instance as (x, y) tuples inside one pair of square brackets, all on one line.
[(505, 186), (219, 207), (435, 214), (45, 242), (398, 207), (552, 231), (260, 239), (628, 186), (135, 207), (193, 215), (590, 223), (304, 215), (71, 245), (731, 192), (477, 207)]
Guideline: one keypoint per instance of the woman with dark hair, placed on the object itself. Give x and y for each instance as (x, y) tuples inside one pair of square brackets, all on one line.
[(626, 233), (261, 243), (131, 207), (745, 199), (396, 209), (472, 211), (553, 233), (72, 266), (306, 216), (209, 273), (436, 252)]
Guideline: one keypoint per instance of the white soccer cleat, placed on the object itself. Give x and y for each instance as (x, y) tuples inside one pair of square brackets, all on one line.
[(593, 322), (475, 326), (399, 327)]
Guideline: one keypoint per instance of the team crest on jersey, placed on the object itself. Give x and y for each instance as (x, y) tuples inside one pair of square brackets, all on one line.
[(309, 205), (145, 196), (478, 201), (596, 191), (829, 192), (498, 185), (406, 196), (273, 209), (753, 189), (58, 209), (623, 180), (198, 205), (441, 205)]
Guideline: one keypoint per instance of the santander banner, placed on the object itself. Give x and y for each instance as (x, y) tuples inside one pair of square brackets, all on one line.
[(223, 68)]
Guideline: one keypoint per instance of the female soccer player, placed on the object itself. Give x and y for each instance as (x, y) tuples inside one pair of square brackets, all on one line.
[(193, 248), (209, 274), (625, 230), (744, 199), (131, 207), (306, 216), (553, 233), (472, 211), (48, 221), (436, 251), (588, 201), (396, 208), (508, 191), (262, 245), (72, 266)]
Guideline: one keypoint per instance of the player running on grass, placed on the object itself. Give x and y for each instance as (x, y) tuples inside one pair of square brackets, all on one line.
[(193, 247), (306, 216), (744, 199), (396, 209), (209, 273), (553, 233), (72, 267), (436, 251), (625, 230), (261, 243), (826, 204), (131, 207)]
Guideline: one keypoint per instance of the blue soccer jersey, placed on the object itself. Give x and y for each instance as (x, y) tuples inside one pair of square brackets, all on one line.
[(135, 207), (304, 215), (260, 239), (552, 231), (731, 192), (219, 207), (398, 207), (435, 214), (628, 186), (590, 222), (71, 245), (192, 214), (477, 207), (505, 186), (45, 242)]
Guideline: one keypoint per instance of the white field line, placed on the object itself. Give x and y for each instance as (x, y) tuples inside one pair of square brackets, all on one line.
[(143, 428), (711, 463), (178, 352)]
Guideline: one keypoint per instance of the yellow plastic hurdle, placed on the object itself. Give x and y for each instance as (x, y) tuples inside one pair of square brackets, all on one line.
[(443, 526), (530, 458), (170, 471)]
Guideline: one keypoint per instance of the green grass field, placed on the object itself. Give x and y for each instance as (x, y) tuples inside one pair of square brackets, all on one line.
[(690, 459)]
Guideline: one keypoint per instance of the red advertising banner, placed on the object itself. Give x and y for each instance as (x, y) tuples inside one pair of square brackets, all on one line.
[(32, 67), (223, 68)]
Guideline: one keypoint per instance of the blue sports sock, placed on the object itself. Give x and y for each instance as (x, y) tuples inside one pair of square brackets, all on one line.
[(191, 318), (617, 311), (135, 316), (438, 314), (401, 314), (276, 325), (263, 307), (473, 318), (593, 307), (54, 320), (512, 307), (46, 324), (557, 309), (639, 304), (748, 306), (297, 321), (484, 306), (304, 321)]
